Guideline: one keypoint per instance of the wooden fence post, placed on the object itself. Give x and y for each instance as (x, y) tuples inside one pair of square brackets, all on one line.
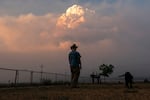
[(31, 78), (16, 77)]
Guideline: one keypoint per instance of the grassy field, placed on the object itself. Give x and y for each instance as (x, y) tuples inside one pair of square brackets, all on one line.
[(85, 92)]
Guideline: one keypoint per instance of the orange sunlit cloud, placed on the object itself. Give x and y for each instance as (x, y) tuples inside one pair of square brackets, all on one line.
[(73, 16), (27, 32), (30, 32), (50, 32)]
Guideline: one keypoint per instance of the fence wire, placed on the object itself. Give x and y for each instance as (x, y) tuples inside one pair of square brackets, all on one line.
[(18, 76)]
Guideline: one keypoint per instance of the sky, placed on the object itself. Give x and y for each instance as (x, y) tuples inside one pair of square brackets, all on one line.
[(35, 32)]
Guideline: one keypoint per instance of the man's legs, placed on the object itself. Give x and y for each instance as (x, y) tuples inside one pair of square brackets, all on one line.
[(72, 76), (76, 77), (127, 83), (75, 71), (130, 83)]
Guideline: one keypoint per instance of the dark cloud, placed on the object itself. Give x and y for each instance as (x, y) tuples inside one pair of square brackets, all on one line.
[(38, 7)]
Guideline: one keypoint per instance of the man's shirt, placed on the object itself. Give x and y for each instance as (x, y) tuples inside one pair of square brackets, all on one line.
[(74, 59)]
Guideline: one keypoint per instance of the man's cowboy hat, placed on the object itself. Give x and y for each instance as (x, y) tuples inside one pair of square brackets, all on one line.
[(74, 46)]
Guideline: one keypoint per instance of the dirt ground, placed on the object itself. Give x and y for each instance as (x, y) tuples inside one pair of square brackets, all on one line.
[(85, 92)]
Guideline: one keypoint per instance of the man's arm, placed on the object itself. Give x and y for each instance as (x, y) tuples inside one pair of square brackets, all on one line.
[(69, 58), (122, 75), (80, 64)]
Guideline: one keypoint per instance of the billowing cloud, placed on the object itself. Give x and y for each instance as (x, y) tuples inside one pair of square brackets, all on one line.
[(73, 17), (30, 32)]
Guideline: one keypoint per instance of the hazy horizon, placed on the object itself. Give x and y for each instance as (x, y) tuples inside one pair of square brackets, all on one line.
[(35, 32)]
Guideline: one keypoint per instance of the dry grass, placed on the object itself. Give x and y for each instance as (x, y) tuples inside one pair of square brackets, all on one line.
[(85, 92)]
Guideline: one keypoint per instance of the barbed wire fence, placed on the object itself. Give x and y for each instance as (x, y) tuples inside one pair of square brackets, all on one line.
[(23, 76)]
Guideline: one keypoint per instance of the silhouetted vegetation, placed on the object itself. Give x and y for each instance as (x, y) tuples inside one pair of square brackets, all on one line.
[(97, 77), (146, 80), (106, 70), (46, 82)]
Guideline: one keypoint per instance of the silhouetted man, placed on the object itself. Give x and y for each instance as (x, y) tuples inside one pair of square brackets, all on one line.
[(75, 65), (128, 79)]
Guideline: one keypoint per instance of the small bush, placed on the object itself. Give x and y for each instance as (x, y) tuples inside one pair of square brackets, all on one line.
[(46, 82)]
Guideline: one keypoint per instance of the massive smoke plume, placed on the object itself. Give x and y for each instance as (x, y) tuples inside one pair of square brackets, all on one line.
[(73, 17)]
